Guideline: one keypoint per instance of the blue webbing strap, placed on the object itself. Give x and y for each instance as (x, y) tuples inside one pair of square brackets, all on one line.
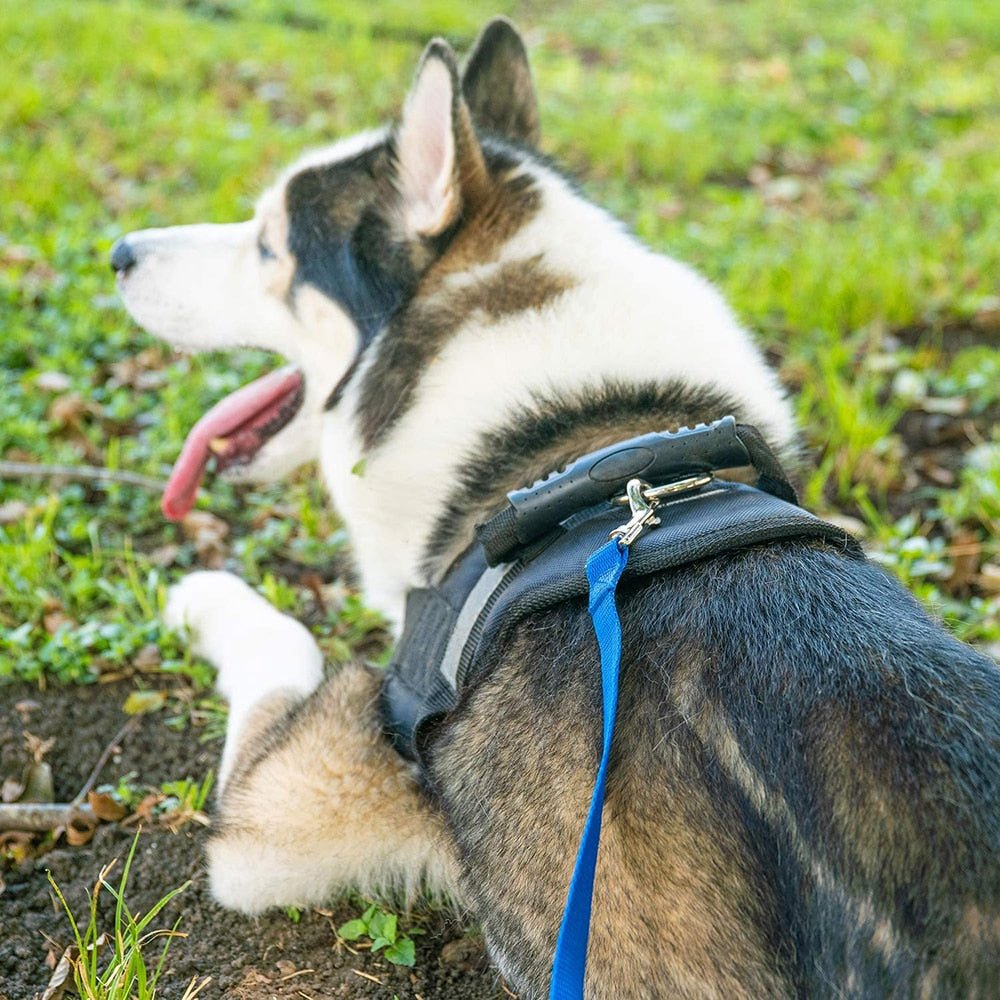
[(604, 568)]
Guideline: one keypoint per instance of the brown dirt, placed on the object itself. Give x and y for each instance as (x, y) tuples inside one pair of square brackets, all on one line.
[(247, 958)]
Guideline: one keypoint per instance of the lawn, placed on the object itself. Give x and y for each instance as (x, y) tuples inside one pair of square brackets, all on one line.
[(834, 167)]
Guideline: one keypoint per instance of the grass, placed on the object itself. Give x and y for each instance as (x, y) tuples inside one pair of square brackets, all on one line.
[(118, 965), (831, 165)]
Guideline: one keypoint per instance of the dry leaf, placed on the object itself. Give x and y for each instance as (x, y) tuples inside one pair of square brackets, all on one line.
[(965, 550), (12, 790), (165, 555), (464, 952), (79, 832), (38, 747), (315, 584), (144, 810), (105, 807), (60, 977), (143, 702)]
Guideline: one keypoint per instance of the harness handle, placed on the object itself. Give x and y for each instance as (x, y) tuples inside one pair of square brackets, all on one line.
[(657, 458)]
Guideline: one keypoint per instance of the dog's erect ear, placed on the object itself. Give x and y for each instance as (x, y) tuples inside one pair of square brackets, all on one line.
[(440, 165), (497, 84)]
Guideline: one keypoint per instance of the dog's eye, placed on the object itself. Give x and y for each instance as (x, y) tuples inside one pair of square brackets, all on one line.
[(266, 253)]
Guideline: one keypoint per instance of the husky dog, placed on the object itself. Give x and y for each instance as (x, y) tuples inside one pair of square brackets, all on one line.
[(803, 798)]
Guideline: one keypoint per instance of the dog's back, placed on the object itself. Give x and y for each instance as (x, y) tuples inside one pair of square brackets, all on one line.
[(803, 798)]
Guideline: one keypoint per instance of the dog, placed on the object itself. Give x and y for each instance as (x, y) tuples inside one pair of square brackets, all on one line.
[(803, 795)]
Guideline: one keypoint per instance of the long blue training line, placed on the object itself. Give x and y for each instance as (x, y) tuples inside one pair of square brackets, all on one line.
[(569, 966)]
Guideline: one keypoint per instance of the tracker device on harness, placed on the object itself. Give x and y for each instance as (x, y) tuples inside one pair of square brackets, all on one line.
[(532, 554)]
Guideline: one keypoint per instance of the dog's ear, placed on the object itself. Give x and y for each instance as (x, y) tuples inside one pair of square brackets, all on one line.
[(440, 167), (497, 84)]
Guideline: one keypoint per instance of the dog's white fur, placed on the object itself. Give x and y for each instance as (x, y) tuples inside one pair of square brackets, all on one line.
[(678, 327), (205, 287)]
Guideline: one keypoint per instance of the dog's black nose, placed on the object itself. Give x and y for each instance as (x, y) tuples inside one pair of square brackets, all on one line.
[(122, 256)]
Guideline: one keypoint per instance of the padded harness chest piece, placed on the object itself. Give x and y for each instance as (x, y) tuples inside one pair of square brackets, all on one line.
[(532, 556)]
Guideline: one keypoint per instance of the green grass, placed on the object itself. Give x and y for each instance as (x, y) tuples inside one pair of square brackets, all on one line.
[(833, 166), (125, 962)]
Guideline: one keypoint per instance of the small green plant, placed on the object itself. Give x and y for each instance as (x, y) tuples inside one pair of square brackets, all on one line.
[(186, 796), (115, 966), (382, 929), (125, 791), (293, 913)]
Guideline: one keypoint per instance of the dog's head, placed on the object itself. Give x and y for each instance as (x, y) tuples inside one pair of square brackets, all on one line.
[(334, 248)]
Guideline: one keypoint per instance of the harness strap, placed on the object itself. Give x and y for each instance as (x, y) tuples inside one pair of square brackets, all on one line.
[(533, 512), (569, 965)]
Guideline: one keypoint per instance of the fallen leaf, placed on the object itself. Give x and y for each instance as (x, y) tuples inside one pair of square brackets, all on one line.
[(987, 316), (464, 952), (143, 812), (314, 582), (105, 807), (965, 551), (952, 406), (143, 702), (79, 832), (38, 747), (12, 790), (60, 976), (165, 555)]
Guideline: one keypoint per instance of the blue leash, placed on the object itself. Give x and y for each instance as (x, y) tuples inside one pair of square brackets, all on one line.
[(604, 569)]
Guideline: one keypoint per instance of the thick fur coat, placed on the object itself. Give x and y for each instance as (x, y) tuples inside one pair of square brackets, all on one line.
[(803, 798)]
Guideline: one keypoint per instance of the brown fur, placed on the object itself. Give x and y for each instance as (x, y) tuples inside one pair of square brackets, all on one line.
[(426, 326), (318, 796)]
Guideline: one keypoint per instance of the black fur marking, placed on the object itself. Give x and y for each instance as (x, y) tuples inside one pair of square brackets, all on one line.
[(523, 450), (341, 243), (418, 331), (497, 84)]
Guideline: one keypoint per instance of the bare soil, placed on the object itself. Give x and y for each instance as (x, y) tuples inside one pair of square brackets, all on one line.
[(246, 958)]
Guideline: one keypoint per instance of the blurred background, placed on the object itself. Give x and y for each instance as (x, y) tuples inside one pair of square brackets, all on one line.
[(834, 166)]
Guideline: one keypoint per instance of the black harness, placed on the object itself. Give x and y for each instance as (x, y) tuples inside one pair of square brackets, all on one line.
[(531, 556)]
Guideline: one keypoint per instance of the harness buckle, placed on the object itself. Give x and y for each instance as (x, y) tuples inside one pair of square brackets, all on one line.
[(643, 500)]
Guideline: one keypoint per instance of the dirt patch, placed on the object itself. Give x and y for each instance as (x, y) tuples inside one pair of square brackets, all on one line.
[(246, 958)]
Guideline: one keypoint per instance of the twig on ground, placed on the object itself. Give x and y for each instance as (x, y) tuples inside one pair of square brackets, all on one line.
[(80, 473), (39, 817), (126, 729)]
